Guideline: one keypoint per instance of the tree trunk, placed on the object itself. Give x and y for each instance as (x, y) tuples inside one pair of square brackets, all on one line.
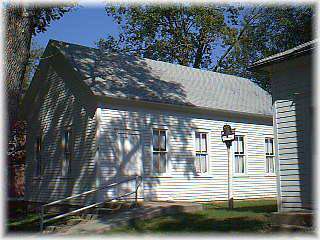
[(17, 51), (198, 57), (253, 17), (201, 46)]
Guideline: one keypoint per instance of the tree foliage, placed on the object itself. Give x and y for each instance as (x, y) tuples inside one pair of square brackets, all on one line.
[(267, 31), (215, 37), (43, 16), (182, 34)]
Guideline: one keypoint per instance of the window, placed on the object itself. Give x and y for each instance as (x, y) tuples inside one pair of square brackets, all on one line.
[(201, 161), (270, 166), (38, 150), (159, 148), (239, 155), (66, 146)]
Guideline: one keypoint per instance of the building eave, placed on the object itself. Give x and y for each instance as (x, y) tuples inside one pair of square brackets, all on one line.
[(180, 108), (298, 51)]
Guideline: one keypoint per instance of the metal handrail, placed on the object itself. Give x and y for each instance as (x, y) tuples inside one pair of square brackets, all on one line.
[(42, 221)]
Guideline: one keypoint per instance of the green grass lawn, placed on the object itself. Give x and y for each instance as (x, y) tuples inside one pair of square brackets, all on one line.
[(247, 216)]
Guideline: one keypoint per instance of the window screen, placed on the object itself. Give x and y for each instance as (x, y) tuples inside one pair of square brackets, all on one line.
[(159, 147), (269, 149), (239, 155), (201, 161)]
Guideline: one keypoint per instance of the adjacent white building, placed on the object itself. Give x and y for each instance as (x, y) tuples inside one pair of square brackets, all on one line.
[(292, 94)]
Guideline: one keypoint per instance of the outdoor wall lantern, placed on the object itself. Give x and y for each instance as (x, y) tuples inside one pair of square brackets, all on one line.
[(228, 135)]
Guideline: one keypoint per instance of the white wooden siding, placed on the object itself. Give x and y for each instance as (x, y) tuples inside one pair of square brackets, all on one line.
[(292, 98), (56, 107), (181, 183)]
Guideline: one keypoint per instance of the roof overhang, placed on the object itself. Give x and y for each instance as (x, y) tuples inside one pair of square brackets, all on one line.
[(298, 51), (179, 108)]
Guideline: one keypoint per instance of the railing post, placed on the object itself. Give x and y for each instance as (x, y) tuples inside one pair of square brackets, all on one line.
[(41, 218)]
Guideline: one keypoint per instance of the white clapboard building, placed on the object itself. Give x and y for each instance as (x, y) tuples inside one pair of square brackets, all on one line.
[(292, 94), (96, 118)]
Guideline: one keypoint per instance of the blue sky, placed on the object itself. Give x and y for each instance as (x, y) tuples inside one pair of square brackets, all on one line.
[(84, 26)]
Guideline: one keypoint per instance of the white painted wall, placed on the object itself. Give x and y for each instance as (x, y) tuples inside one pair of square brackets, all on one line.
[(292, 98), (181, 183), (55, 107)]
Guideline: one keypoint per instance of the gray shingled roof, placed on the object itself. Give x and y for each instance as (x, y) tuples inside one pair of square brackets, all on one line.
[(130, 77), (298, 50)]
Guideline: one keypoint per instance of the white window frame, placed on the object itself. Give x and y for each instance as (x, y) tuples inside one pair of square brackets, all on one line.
[(271, 155), (168, 166), (65, 161), (200, 131), (38, 155), (244, 155)]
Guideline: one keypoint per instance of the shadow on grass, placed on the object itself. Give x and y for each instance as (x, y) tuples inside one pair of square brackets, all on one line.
[(189, 222), (31, 226), (245, 217), (19, 219)]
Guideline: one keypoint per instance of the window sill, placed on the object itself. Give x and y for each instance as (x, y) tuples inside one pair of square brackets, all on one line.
[(159, 176), (203, 175), (240, 175), (200, 175), (270, 175)]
